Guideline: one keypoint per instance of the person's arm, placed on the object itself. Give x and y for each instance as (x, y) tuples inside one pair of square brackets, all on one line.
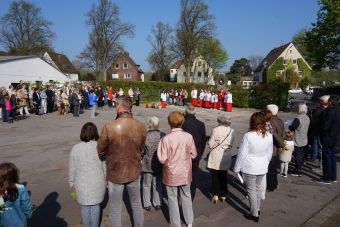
[(295, 124), (326, 120), (71, 170), (162, 151), (193, 151), (243, 152), (204, 139), (25, 203), (270, 149), (277, 139), (212, 143), (232, 138), (103, 143)]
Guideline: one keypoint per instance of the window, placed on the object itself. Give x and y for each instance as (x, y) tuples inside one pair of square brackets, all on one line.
[(191, 73), (117, 66), (127, 76), (300, 73), (171, 71), (285, 62), (294, 61), (278, 73), (199, 63), (125, 65), (205, 74), (290, 51)]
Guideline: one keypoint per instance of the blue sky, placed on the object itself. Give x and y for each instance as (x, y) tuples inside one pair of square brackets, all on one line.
[(245, 27)]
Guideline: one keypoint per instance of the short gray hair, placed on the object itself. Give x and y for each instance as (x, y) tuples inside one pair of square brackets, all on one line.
[(303, 108), (153, 123), (224, 118), (273, 108), (125, 101)]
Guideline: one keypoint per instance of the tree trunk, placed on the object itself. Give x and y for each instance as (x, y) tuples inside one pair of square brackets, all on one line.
[(102, 74)]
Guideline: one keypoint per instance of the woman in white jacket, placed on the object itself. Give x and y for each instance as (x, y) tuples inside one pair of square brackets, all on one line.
[(252, 160), (219, 160)]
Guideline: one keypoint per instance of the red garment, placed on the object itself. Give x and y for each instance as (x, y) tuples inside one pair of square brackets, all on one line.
[(215, 105), (207, 104), (163, 104), (194, 101), (201, 103), (228, 107), (109, 94)]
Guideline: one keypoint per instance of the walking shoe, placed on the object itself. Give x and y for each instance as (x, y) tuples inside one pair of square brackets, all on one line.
[(251, 217), (335, 181), (322, 181), (214, 199), (147, 208), (284, 175), (157, 207), (296, 175)]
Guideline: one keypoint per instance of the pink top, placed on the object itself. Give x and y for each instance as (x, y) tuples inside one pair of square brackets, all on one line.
[(8, 105), (175, 152)]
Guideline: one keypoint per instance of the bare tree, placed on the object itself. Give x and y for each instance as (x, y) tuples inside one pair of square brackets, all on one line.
[(194, 26), (105, 36), (254, 61), (161, 56), (24, 31)]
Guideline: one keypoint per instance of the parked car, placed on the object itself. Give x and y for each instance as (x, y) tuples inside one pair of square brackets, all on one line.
[(295, 91)]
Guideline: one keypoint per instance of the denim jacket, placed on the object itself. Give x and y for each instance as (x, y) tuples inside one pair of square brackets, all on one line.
[(18, 211)]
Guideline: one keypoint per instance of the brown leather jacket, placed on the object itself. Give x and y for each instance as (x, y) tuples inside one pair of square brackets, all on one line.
[(122, 142), (278, 134)]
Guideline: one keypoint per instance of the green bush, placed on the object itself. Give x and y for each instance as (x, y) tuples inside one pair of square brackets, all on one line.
[(240, 96), (273, 93)]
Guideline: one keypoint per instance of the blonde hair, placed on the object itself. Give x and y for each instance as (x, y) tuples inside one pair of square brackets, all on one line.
[(175, 119)]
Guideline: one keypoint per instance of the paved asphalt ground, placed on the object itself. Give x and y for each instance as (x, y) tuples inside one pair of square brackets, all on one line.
[(40, 147)]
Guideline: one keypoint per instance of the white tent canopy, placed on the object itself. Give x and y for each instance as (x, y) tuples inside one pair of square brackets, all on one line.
[(29, 69)]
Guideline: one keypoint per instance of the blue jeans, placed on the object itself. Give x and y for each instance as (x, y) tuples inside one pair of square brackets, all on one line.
[(90, 215), (116, 200), (328, 163), (315, 147)]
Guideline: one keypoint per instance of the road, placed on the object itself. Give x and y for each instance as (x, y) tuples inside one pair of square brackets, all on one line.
[(40, 147)]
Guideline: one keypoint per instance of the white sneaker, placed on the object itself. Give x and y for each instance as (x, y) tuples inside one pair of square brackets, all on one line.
[(189, 225)]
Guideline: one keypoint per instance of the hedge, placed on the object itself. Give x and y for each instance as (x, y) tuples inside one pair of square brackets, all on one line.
[(257, 97)]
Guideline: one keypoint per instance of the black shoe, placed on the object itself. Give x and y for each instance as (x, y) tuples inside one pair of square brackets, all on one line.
[(251, 217), (157, 207), (147, 208)]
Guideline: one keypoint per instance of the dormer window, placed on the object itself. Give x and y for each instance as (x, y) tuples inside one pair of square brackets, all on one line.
[(117, 66), (125, 65)]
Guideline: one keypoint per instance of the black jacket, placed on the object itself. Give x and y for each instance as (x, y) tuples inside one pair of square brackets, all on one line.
[(36, 98), (314, 127), (330, 127), (74, 99), (197, 129)]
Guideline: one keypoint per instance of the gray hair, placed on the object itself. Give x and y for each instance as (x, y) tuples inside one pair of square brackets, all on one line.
[(153, 123), (224, 118), (303, 108), (190, 110), (125, 101)]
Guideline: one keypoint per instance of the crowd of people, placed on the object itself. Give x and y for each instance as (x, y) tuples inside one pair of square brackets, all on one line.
[(126, 152), (67, 99), (221, 100)]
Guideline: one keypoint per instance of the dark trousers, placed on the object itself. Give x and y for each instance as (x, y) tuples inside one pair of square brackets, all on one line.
[(109, 103), (37, 109), (272, 174), (219, 182), (8, 116), (137, 102), (50, 105), (75, 110), (328, 164), (193, 186), (3, 113), (299, 154)]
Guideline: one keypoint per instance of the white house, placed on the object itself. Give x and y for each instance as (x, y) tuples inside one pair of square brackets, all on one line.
[(200, 72), (29, 69), (289, 53), (62, 63)]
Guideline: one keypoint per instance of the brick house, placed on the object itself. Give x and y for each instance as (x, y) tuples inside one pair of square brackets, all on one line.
[(124, 68)]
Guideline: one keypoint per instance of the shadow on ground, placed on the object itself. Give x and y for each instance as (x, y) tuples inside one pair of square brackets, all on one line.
[(46, 214)]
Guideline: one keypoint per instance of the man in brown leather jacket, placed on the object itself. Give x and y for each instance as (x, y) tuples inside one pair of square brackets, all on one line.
[(121, 143)]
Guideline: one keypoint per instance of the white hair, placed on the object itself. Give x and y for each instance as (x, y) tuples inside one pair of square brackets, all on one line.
[(273, 108), (324, 98), (303, 108), (153, 123), (224, 118)]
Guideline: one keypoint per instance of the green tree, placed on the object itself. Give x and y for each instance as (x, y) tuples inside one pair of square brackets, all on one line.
[(105, 36), (195, 25), (241, 67), (299, 40), (214, 54), (323, 40), (161, 56), (24, 31)]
